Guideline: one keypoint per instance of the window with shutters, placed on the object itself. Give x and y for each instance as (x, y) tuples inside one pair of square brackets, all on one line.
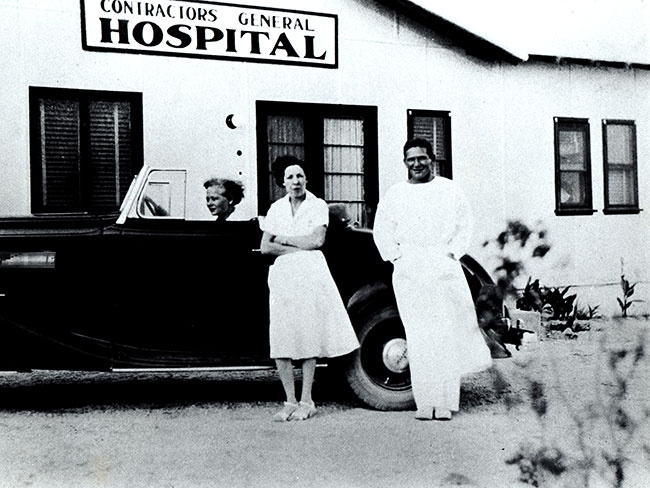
[(338, 142), (572, 167), (620, 166), (86, 146), (435, 127)]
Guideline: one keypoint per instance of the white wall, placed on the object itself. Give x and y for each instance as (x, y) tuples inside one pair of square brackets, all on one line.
[(502, 122)]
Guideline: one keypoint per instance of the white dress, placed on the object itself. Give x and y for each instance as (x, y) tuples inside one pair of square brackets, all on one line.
[(307, 316), (417, 226)]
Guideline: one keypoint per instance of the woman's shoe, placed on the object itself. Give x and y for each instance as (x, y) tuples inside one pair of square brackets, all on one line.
[(442, 414), (284, 414), (304, 411)]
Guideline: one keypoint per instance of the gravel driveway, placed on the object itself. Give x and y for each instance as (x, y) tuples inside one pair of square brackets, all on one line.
[(213, 430)]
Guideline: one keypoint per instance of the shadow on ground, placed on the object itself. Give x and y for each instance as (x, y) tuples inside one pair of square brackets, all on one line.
[(49, 391)]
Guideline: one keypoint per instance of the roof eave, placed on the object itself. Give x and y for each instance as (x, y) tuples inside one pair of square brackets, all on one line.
[(562, 60), (473, 44)]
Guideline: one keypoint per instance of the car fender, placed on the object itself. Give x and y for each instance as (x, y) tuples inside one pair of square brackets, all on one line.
[(371, 294)]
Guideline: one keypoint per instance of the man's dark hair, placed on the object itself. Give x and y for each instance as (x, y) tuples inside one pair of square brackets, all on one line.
[(420, 142)]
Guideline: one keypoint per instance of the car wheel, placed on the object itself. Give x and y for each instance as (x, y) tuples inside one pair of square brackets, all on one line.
[(377, 372)]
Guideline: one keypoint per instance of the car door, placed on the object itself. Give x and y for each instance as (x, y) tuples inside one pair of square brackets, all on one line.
[(188, 293), (182, 293)]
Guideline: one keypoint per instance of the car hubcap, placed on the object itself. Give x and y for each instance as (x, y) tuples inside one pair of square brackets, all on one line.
[(394, 355)]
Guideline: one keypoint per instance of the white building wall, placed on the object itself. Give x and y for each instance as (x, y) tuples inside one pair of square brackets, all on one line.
[(502, 123)]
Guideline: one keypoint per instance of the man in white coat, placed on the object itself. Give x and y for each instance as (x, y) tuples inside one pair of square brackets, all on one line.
[(423, 227)]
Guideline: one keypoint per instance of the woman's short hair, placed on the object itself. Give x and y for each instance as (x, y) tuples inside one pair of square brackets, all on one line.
[(233, 190), (281, 163), (420, 142)]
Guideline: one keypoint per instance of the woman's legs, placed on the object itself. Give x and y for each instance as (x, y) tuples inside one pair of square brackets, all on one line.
[(285, 370), (307, 408), (293, 410), (308, 373)]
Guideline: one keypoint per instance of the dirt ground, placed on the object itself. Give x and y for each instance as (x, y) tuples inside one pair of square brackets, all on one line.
[(212, 430)]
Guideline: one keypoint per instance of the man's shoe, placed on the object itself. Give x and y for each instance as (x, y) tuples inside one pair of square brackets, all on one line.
[(443, 414), (424, 413)]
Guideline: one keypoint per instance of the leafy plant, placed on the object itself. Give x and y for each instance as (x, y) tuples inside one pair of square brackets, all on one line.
[(552, 302), (561, 304), (628, 291), (531, 297), (587, 313)]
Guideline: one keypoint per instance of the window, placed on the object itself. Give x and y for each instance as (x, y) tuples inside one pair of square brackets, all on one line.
[(85, 149), (572, 167), (620, 166), (339, 142), (435, 127)]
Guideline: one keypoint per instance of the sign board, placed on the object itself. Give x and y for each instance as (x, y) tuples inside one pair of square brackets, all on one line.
[(212, 30)]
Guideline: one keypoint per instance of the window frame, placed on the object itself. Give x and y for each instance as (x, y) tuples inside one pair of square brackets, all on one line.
[(314, 115), (612, 208), (446, 169), (84, 98), (563, 209)]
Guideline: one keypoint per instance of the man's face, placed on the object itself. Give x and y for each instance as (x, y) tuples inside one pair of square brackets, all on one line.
[(419, 164)]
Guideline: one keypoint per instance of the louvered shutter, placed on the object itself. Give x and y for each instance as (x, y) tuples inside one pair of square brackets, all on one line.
[(109, 166), (59, 155)]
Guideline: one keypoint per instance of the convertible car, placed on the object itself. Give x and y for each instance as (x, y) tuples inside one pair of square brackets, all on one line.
[(151, 290)]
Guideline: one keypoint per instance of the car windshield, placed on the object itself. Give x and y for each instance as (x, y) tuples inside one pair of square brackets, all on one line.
[(155, 193)]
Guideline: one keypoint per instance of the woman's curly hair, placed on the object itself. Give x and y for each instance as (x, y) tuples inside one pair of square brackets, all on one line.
[(233, 190), (281, 163)]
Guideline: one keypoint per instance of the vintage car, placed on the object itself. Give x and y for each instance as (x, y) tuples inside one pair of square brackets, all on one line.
[(152, 290)]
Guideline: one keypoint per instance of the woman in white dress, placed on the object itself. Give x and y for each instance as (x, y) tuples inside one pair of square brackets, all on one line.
[(307, 317), (423, 226)]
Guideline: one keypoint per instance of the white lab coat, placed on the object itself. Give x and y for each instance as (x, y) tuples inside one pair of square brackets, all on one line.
[(419, 227)]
